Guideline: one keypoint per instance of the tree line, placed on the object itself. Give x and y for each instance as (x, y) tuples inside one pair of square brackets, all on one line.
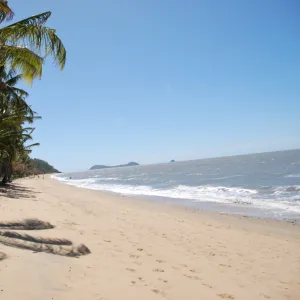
[(24, 47)]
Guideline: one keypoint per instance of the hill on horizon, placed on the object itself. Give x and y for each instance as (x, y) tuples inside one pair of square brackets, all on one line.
[(130, 164), (42, 167)]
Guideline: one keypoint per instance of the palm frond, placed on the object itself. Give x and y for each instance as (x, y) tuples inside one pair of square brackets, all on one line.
[(13, 80), (22, 59), (32, 145), (40, 39), (6, 14), (19, 92), (36, 20)]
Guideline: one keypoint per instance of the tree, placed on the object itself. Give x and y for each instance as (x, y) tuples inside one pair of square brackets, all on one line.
[(15, 117), (26, 44)]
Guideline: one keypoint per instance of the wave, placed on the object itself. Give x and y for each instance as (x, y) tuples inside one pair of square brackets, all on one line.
[(107, 178), (227, 177), (76, 182), (283, 198), (293, 176), (287, 193), (194, 174)]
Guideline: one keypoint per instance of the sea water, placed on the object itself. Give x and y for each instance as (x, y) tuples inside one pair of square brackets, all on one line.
[(262, 185)]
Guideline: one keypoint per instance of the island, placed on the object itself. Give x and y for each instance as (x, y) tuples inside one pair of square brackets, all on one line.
[(97, 167), (172, 161)]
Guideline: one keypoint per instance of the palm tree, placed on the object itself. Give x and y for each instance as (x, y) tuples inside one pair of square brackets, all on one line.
[(18, 151), (15, 132), (15, 114), (9, 92), (14, 136), (26, 44)]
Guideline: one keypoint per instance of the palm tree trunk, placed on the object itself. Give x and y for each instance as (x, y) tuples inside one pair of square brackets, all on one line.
[(5, 178), (2, 85), (9, 173)]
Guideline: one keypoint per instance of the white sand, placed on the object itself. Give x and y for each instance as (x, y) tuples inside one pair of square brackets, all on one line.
[(144, 250)]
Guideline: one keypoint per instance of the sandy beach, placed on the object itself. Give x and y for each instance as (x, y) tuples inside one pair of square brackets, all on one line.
[(139, 249)]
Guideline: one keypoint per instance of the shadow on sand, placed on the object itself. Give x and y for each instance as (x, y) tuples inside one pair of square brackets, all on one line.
[(13, 239), (15, 191), (2, 256), (27, 224), (48, 248), (55, 246), (38, 240)]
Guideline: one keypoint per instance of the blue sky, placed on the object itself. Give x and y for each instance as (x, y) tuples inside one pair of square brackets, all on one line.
[(151, 81)]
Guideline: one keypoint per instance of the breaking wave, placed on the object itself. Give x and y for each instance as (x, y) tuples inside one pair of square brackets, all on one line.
[(285, 198)]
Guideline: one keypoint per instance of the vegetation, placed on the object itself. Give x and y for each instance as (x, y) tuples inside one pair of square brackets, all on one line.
[(24, 46), (42, 167), (32, 167)]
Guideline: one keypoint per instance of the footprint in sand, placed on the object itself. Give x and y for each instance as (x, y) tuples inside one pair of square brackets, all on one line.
[(184, 265), (226, 266), (130, 270), (192, 277), (156, 291), (163, 280), (160, 261), (158, 270), (226, 296), (134, 256), (266, 296), (140, 249)]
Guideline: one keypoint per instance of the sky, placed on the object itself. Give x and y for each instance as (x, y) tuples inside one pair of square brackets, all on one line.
[(151, 80)]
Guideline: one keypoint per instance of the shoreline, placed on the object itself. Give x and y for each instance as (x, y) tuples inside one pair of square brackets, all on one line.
[(234, 209), (144, 249)]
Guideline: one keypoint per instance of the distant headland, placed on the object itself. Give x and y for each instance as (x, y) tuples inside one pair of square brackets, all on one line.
[(96, 167)]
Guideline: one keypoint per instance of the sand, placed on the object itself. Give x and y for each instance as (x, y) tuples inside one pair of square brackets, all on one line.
[(139, 249)]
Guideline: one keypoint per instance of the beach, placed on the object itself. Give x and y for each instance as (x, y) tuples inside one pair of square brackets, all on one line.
[(141, 249)]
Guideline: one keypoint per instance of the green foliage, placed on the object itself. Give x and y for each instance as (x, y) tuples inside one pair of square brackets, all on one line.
[(32, 167), (5, 12), (24, 46), (42, 167)]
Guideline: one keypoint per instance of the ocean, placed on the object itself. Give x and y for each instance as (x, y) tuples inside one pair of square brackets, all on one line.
[(260, 185)]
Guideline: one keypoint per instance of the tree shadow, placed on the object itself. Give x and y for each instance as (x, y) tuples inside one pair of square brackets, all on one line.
[(27, 224), (15, 191), (55, 246), (2, 256), (69, 251), (39, 240)]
